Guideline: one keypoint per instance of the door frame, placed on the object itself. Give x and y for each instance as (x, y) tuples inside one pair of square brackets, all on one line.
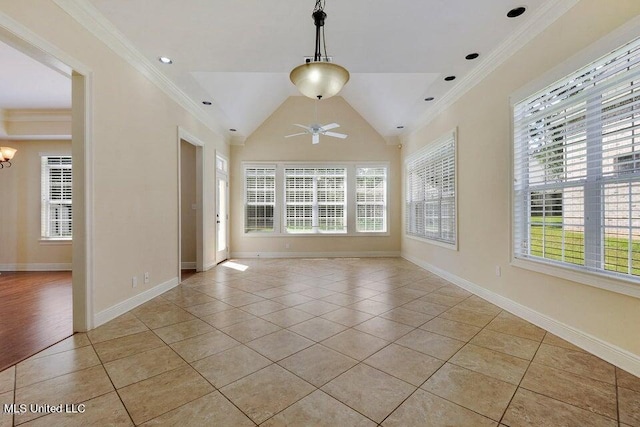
[(83, 269), (201, 244), (226, 175)]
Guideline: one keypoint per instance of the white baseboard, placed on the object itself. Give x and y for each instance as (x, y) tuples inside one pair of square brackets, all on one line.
[(188, 265), (209, 266), (119, 309), (363, 254), (611, 353), (36, 267)]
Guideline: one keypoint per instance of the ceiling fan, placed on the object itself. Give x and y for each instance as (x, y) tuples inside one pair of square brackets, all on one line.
[(316, 130)]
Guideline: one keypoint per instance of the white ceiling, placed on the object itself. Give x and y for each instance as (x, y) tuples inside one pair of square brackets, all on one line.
[(238, 54), (28, 84)]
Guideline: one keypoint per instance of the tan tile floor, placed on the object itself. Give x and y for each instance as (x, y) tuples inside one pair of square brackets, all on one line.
[(345, 342)]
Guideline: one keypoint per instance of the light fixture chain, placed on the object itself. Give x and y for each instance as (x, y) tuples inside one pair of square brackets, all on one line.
[(324, 42)]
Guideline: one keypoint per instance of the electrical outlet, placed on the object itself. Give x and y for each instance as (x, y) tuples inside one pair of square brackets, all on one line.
[(287, 245), (134, 281), (498, 271), (146, 277)]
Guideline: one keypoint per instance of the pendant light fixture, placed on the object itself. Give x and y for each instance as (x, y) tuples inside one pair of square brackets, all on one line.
[(319, 78)]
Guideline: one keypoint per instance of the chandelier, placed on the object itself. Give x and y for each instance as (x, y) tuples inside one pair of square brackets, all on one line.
[(6, 154), (319, 78)]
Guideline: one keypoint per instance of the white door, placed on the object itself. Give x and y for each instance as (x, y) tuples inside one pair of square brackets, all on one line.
[(222, 218)]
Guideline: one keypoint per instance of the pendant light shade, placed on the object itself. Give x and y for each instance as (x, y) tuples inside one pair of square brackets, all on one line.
[(6, 154), (319, 80)]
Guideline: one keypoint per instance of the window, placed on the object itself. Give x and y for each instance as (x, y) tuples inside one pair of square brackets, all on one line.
[(577, 169), (260, 199), (315, 200), (371, 199), (56, 194), (342, 198), (431, 192)]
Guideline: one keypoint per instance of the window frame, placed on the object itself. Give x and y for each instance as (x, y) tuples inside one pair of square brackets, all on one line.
[(45, 198), (315, 203), (618, 40), (430, 147), (350, 201), (384, 203), (276, 224)]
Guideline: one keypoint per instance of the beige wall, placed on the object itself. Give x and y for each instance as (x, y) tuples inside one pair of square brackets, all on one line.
[(267, 143), (188, 196), (20, 209), (483, 118), (135, 148)]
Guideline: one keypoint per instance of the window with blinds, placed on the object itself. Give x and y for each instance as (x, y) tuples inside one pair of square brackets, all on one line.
[(577, 169), (56, 197), (260, 199), (371, 199), (431, 192), (315, 200)]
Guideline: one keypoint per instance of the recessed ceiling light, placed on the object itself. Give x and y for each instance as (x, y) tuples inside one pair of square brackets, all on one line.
[(431, 98), (232, 130), (206, 102), (471, 56), (165, 60), (515, 12), (449, 78), (399, 127)]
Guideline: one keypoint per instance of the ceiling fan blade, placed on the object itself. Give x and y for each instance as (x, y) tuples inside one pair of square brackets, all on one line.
[(315, 138), (330, 126), (336, 135), (296, 134), (302, 126)]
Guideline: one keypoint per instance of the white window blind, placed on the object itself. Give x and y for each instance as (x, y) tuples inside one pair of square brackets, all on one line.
[(315, 200), (260, 199), (56, 197), (577, 169), (431, 191), (371, 199)]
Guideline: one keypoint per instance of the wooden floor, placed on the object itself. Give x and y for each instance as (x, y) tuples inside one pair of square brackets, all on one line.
[(35, 312), (187, 273)]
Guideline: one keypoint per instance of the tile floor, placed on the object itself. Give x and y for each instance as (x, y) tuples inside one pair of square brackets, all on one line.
[(346, 342)]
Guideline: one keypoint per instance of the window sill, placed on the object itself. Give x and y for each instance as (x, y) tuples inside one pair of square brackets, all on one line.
[(595, 279), (252, 235), (57, 242)]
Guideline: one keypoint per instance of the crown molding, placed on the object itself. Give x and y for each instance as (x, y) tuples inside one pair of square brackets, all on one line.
[(94, 22), (44, 137), (35, 115), (546, 15)]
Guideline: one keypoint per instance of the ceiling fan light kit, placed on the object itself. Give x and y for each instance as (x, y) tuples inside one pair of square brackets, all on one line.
[(319, 79)]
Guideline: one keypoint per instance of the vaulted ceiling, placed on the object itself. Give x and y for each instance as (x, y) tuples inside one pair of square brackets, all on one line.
[(238, 54)]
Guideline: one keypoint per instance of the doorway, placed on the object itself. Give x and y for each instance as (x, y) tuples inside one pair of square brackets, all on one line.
[(190, 204), (35, 282), (222, 209), (188, 209)]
